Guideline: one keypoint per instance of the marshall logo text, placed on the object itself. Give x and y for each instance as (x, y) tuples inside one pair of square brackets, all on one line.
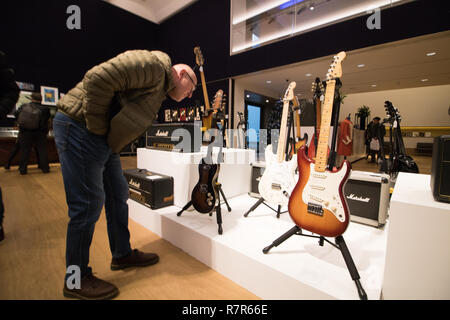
[(162, 133), (353, 197)]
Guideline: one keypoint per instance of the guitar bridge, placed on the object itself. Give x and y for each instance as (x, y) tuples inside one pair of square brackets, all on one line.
[(315, 209), (276, 186)]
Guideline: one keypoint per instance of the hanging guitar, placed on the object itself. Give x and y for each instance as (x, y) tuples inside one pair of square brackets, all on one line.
[(299, 140), (205, 193), (317, 203), (317, 90), (207, 118), (278, 179), (400, 161)]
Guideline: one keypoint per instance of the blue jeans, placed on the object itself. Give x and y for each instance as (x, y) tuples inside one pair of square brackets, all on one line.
[(93, 177)]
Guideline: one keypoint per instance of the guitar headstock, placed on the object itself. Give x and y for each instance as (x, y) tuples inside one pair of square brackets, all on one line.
[(289, 95), (317, 88), (198, 56), (241, 117), (391, 111), (335, 70), (218, 99)]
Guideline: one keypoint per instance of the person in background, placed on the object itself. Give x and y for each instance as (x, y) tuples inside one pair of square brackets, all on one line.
[(112, 106), (34, 137), (9, 94), (374, 136)]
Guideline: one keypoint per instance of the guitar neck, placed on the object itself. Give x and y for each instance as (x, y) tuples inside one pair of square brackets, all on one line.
[(283, 127), (205, 93), (322, 146), (318, 113)]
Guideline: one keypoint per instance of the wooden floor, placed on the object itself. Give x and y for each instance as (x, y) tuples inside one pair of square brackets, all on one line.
[(32, 263), (32, 256)]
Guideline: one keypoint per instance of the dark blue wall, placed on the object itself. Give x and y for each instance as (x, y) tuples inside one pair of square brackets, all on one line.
[(44, 51)]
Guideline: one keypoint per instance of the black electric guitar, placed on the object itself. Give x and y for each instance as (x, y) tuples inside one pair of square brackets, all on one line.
[(205, 193), (400, 161)]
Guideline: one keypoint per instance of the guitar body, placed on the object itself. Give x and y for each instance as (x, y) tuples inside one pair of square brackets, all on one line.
[(317, 203), (207, 120), (204, 194), (278, 180)]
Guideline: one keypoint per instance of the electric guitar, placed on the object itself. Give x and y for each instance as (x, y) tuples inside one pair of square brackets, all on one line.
[(317, 203), (241, 131), (205, 193), (207, 118), (400, 161), (299, 141), (317, 90), (278, 179)]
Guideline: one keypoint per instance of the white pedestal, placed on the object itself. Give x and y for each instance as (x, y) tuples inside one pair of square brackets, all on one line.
[(297, 269), (234, 174), (418, 254)]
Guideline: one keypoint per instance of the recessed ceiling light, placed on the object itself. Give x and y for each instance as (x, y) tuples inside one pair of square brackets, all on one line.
[(268, 81), (308, 74), (267, 100), (424, 80), (361, 65), (311, 8), (431, 54), (248, 96), (374, 85)]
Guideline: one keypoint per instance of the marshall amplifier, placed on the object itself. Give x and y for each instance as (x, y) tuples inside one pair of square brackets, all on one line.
[(440, 169), (257, 172), (151, 189), (367, 196), (181, 137)]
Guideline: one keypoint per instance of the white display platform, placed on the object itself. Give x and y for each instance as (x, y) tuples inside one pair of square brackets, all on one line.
[(183, 167), (297, 269), (418, 254)]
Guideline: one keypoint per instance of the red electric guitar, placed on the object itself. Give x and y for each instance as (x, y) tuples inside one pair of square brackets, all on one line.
[(317, 203)]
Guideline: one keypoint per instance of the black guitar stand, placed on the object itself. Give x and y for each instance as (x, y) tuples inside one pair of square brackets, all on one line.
[(289, 140), (218, 203), (339, 240)]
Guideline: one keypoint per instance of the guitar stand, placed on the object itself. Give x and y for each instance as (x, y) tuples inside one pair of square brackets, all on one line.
[(261, 200), (217, 207), (340, 245)]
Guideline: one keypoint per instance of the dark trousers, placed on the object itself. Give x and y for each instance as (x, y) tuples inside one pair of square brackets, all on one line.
[(28, 139), (93, 177)]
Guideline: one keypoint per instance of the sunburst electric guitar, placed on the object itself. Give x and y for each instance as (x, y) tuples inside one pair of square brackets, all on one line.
[(278, 179), (207, 117), (317, 203)]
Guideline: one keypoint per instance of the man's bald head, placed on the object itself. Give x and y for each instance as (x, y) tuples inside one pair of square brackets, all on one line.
[(185, 82)]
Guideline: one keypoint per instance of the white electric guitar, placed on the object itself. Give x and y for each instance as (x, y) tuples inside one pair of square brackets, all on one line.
[(278, 179)]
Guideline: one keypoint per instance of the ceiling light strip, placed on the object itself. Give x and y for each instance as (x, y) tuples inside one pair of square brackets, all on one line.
[(317, 23)]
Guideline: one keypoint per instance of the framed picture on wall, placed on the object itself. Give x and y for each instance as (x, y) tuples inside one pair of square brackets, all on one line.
[(190, 114), (182, 114), (167, 116), (49, 96), (175, 115)]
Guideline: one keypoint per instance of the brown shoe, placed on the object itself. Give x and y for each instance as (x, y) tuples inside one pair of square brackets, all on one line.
[(135, 259), (92, 288)]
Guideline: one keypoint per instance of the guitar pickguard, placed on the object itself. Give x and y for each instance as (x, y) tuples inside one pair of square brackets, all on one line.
[(322, 192)]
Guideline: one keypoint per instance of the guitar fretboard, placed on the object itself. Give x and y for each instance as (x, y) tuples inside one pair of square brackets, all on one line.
[(282, 138), (327, 109)]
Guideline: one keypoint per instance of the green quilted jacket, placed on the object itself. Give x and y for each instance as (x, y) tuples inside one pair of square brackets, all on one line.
[(138, 79)]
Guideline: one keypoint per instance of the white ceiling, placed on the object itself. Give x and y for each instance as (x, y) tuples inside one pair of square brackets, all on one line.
[(396, 65), (153, 10)]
